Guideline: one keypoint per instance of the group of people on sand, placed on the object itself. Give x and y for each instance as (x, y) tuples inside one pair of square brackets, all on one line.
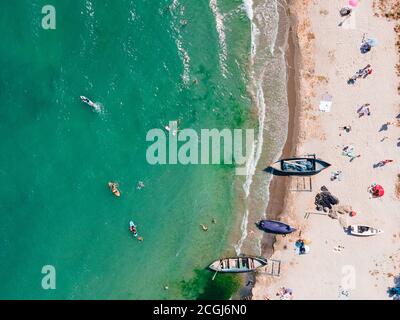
[(375, 190)]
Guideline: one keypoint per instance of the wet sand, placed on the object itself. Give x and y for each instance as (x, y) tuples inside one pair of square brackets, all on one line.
[(279, 185)]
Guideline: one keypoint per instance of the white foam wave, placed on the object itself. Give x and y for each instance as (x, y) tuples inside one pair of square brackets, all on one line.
[(89, 8), (90, 24), (263, 13), (243, 228), (174, 5), (219, 22), (258, 144), (176, 30), (248, 6), (99, 107), (185, 60)]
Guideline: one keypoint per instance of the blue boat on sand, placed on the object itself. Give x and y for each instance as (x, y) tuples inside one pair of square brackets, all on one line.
[(276, 227)]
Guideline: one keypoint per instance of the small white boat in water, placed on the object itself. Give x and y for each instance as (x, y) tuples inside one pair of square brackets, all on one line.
[(363, 231), (89, 102)]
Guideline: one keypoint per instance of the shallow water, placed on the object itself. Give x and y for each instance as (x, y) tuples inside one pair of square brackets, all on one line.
[(138, 62)]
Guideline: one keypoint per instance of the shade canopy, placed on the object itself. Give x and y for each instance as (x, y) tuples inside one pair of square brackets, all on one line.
[(378, 191)]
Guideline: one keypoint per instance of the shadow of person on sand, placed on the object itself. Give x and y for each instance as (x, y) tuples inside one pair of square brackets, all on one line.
[(384, 127), (275, 172)]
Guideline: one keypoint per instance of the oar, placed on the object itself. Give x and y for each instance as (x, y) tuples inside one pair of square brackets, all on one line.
[(214, 275), (341, 23)]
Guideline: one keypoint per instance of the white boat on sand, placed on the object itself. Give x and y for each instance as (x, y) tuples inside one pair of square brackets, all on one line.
[(363, 231)]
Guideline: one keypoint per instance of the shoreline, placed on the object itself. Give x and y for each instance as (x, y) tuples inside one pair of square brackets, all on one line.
[(278, 188)]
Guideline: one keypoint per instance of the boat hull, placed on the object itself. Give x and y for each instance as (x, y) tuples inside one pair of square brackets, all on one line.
[(363, 231), (275, 227), (237, 264), (298, 166)]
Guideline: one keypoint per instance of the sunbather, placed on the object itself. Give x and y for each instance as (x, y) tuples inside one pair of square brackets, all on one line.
[(383, 162), (364, 110)]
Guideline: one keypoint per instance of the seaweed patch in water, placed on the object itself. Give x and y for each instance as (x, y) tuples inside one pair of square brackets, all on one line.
[(203, 287)]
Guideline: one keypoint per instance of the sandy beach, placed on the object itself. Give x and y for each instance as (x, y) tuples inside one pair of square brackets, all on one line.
[(327, 54)]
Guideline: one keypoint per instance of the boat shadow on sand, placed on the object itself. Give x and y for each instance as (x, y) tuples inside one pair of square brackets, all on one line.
[(276, 172)]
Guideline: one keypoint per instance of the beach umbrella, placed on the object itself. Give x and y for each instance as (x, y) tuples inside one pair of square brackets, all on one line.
[(353, 3), (378, 191)]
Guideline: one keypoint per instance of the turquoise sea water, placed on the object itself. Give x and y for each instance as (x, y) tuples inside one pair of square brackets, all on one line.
[(57, 155)]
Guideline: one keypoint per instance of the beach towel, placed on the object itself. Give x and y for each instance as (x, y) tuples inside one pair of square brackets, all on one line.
[(326, 103)]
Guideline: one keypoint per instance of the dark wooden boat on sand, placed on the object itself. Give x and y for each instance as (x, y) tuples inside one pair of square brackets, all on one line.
[(306, 166), (276, 227)]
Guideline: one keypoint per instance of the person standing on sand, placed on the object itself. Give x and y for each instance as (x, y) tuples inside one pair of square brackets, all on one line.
[(364, 110)]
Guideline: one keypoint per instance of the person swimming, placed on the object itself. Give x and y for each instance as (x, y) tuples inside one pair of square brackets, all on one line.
[(114, 188), (132, 228), (140, 185), (90, 103)]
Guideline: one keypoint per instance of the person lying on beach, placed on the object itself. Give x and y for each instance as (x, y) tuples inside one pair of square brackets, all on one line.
[(364, 110), (362, 73), (382, 163), (349, 151), (336, 175)]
